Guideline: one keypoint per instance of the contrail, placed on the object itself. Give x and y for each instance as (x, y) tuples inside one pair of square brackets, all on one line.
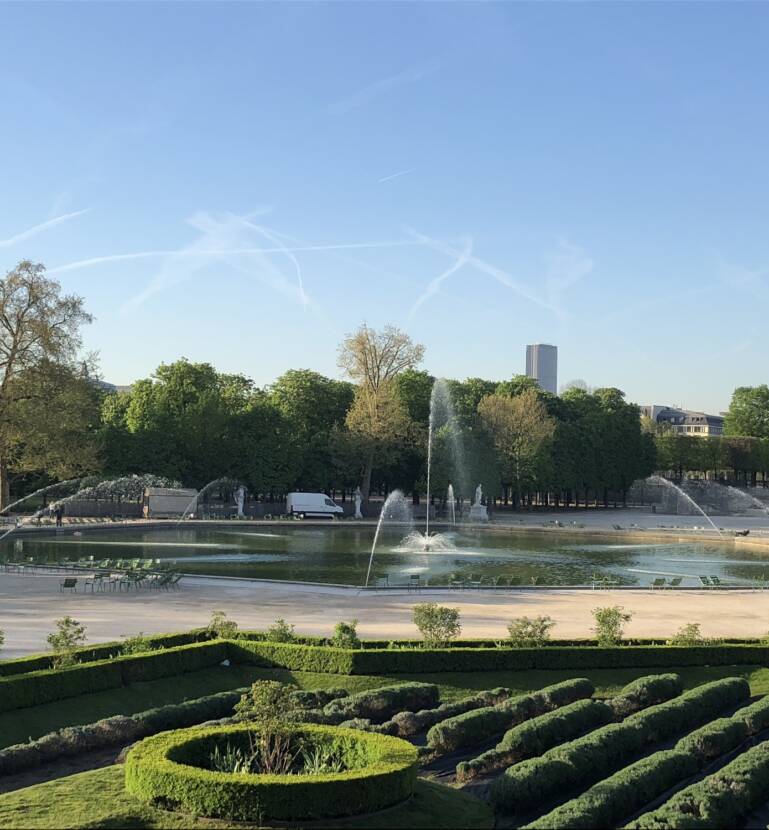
[(435, 284), (43, 226), (101, 260), (396, 175)]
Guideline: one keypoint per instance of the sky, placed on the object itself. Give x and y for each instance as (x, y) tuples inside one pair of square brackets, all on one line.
[(246, 183)]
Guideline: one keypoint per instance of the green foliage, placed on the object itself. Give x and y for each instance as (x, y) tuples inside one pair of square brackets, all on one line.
[(220, 625), (387, 778), (137, 644), (437, 624), (68, 636), (346, 635), (382, 703), (723, 799), (714, 739), (609, 622), (687, 635), (280, 632), (645, 691), (599, 753), (748, 413), (267, 701), (2, 638), (478, 725), (529, 632)]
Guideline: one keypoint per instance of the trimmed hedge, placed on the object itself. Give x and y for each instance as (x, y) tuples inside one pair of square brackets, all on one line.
[(723, 799), (755, 716), (535, 736), (46, 686), (602, 752), (480, 724), (646, 691), (382, 703), (158, 770), (297, 657)]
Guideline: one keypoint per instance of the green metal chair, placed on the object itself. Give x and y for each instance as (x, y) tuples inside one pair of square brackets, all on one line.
[(660, 582)]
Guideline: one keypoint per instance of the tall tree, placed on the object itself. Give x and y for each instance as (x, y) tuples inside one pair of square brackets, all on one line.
[(748, 414), (39, 340), (374, 359)]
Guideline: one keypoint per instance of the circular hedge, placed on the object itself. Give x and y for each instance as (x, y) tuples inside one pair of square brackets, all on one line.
[(166, 769)]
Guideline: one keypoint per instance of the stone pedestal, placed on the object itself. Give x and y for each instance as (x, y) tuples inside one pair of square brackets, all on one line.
[(478, 513)]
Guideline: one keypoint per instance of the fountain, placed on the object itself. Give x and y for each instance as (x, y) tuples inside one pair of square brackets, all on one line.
[(687, 497), (193, 502), (451, 506), (395, 508), (743, 495)]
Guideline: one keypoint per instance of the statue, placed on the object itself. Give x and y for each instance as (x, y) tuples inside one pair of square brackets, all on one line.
[(240, 498), (478, 511), (358, 498)]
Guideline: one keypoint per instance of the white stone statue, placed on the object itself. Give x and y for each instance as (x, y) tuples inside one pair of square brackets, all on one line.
[(478, 511), (240, 498), (358, 498), (478, 495)]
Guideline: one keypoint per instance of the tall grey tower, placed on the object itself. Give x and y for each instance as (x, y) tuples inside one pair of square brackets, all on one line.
[(542, 365)]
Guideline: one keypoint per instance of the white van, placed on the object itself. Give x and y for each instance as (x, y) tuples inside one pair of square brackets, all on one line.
[(312, 504)]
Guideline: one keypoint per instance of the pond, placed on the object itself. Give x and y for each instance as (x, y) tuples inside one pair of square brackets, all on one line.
[(340, 555)]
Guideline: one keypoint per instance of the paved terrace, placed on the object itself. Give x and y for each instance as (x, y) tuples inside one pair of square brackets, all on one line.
[(30, 603)]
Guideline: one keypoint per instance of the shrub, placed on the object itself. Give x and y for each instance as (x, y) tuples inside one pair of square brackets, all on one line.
[(2, 638), (221, 626), (167, 768), (687, 635), (267, 702), (723, 799), (646, 691), (609, 622), (599, 753), (381, 704), (714, 739), (138, 644), (535, 736), (68, 636), (346, 635), (529, 632), (480, 724), (755, 716), (280, 632), (437, 624)]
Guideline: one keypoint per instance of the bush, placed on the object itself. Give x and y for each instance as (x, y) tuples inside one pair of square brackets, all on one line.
[(723, 799), (280, 632), (162, 769), (381, 704), (755, 716), (646, 691), (627, 791), (267, 701), (65, 640), (221, 626), (600, 753), (537, 735), (437, 624), (346, 635), (529, 632), (687, 635), (405, 724), (714, 739), (2, 638), (609, 623), (480, 724), (138, 644)]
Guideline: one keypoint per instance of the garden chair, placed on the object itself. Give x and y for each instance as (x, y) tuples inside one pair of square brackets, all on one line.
[(415, 582), (716, 582), (660, 582), (455, 583), (95, 581), (705, 582), (69, 583), (675, 582), (175, 582), (496, 582)]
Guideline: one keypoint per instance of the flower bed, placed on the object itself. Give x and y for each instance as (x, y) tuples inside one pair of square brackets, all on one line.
[(169, 769)]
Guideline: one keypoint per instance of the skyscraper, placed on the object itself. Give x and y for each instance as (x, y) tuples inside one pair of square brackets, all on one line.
[(542, 365)]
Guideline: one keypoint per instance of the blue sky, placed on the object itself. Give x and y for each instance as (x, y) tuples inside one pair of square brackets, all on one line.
[(245, 183)]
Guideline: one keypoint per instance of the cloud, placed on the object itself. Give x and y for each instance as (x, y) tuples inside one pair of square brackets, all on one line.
[(372, 91), (43, 226), (396, 175), (501, 276), (434, 285)]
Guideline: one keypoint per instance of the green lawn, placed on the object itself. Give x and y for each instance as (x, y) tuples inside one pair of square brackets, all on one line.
[(98, 799), (20, 725)]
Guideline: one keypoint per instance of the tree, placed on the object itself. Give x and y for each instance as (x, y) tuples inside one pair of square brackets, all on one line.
[(39, 330), (748, 413), (520, 429), (374, 359)]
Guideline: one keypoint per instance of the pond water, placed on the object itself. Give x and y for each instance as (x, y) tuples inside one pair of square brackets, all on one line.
[(341, 554)]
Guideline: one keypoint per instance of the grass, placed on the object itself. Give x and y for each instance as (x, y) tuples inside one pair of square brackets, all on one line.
[(98, 799), (21, 725)]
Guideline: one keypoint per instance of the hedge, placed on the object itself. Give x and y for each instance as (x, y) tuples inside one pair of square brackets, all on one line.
[(476, 726), (158, 770), (644, 692), (48, 685), (535, 736), (297, 657), (602, 752), (382, 703), (605, 804), (723, 799)]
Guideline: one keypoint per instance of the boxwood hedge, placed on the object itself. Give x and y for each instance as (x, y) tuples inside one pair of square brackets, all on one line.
[(160, 769)]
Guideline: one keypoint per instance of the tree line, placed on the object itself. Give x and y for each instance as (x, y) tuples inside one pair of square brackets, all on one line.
[(305, 431)]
